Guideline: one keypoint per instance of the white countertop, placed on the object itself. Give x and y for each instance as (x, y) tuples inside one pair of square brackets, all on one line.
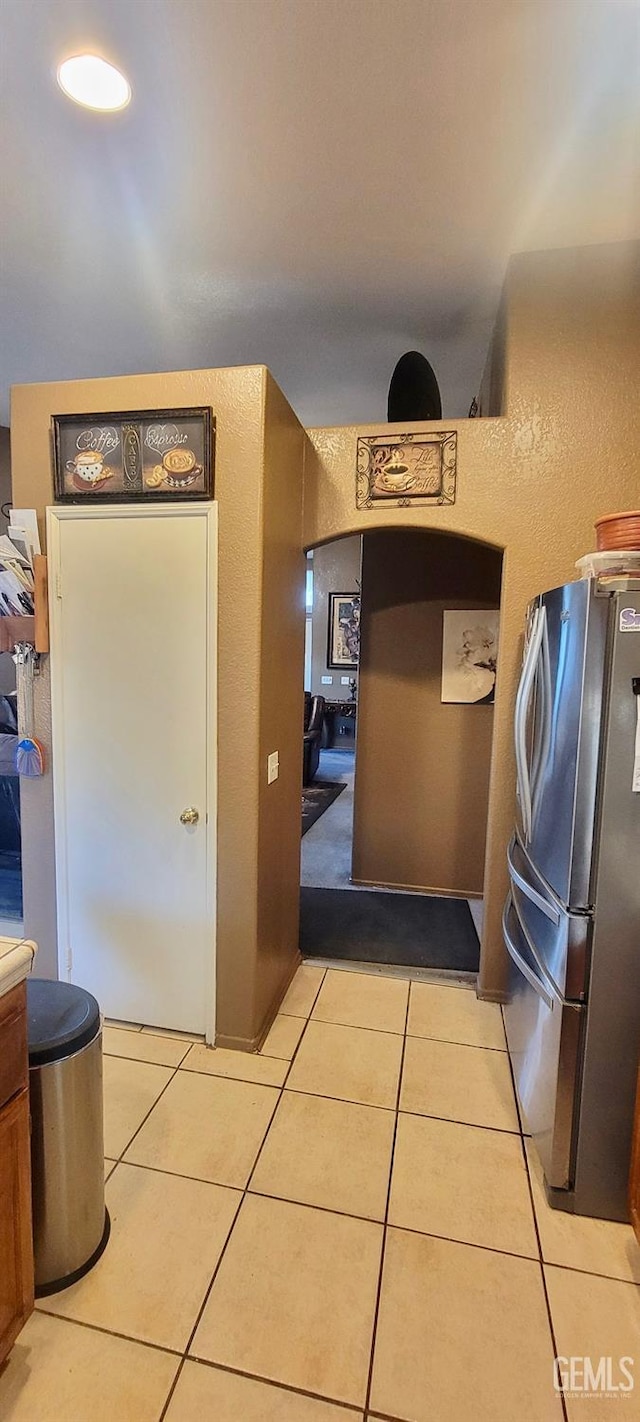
[(16, 961)]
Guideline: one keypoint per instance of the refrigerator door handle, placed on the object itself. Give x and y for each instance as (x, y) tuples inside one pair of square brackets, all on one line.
[(523, 701), (521, 964), (546, 698), (527, 889)]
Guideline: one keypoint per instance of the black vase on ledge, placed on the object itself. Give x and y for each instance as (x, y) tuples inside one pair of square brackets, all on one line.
[(414, 393)]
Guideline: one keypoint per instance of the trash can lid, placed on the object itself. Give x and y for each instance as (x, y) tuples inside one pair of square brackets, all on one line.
[(61, 1020)]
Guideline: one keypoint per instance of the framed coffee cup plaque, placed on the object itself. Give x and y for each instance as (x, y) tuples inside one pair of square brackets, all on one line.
[(134, 456)]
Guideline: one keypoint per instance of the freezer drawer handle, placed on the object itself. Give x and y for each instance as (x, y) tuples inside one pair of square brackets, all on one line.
[(542, 969), (530, 893), (521, 963)]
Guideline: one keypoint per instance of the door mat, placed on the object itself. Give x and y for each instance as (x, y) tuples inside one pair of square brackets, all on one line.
[(406, 930), (316, 799)]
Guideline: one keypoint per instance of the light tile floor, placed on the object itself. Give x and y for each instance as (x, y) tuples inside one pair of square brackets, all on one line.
[(349, 1225)]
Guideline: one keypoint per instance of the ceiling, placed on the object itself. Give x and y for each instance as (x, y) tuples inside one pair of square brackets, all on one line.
[(318, 185)]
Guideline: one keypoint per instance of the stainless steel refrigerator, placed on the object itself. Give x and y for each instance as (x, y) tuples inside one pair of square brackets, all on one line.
[(572, 916)]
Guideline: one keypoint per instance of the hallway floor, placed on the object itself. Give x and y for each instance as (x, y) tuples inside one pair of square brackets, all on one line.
[(325, 863), (349, 1225), (325, 856)]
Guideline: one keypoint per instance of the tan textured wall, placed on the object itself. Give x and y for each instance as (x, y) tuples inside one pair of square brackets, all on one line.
[(336, 568), (238, 399), (532, 481), (281, 711), (422, 768), (493, 395)]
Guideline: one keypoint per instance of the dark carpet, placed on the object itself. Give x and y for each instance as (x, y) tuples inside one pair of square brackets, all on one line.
[(316, 799), (409, 930)]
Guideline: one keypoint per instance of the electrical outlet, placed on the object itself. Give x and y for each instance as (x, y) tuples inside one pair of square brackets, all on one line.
[(327, 680), (345, 681), (273, 767)]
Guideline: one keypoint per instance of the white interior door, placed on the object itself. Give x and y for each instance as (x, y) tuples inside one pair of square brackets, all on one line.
[(133, 612)]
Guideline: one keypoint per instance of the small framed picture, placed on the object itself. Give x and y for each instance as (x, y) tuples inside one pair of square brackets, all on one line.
[(343, 648), (470, 655), (134, 455)]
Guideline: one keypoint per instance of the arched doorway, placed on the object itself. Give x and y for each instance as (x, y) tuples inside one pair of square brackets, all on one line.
[(418, 790)]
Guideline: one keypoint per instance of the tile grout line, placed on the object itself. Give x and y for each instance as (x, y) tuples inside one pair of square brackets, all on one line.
[(168, 1351), (353, 1026), (174, 1071), (535, 1225), (455, 1121), (437, 977), (110, 1332), (385, 1223), (419, 1115), (591, 1273), (180, 1175), (241, 1201), (323, 1021), (382, 1417), (321, 1095), (372, 1219), (145, 1061), (416, 1036), (412, 1036), (275, 1384), (224, 1076), (119, 1160), (281, 1090)]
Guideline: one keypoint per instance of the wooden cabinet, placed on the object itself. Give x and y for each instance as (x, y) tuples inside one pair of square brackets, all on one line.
[(16, 1247)]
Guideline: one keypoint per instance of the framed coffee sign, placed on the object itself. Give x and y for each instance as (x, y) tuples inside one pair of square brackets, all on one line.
[(133, 456), (406, 469)]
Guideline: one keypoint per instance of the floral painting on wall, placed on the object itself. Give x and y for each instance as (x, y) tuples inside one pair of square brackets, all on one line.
[(469, 655), (344, 630)]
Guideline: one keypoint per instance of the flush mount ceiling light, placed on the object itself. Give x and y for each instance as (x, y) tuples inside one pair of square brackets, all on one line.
[(91, 81)]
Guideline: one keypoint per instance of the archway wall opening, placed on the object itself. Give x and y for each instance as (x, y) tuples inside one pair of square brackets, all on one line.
[(423, 763), (530, 482), (496, 506)]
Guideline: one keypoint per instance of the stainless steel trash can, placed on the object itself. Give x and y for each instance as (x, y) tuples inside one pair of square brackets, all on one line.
[(70, 1221)]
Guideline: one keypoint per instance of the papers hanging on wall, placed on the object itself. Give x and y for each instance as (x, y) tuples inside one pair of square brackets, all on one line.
[(17, 549)]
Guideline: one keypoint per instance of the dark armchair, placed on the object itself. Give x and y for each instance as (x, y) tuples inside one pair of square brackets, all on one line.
[(313, 720)]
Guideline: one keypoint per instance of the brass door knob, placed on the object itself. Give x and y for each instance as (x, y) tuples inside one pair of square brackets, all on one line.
[(190, 816)]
